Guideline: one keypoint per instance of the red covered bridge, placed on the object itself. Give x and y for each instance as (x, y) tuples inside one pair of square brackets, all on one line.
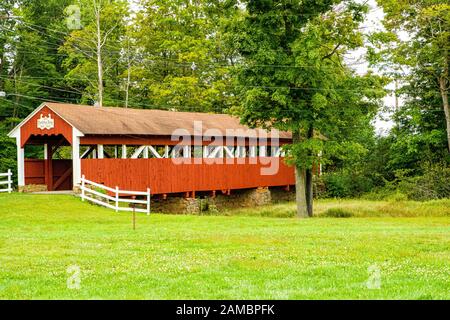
[(169, 152)]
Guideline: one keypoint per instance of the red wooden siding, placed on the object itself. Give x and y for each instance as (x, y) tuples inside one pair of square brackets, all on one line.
[(35, 172), (165, 177), (30, 127), (60, 167)]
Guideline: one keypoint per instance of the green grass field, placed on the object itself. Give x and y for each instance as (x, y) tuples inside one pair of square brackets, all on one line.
[(237, 256)]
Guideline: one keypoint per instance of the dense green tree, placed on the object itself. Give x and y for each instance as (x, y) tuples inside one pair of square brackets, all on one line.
[(185, 61), (424, 56), (295, 79), (414, 52), (30, 67), (35, 71)]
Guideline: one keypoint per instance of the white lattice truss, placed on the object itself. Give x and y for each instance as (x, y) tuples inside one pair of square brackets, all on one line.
[(166, 152)]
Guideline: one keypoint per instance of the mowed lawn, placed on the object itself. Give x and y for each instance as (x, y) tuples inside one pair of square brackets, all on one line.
[(217, 257)]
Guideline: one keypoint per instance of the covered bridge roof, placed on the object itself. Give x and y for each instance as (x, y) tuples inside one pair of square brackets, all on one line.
[(91, 120)]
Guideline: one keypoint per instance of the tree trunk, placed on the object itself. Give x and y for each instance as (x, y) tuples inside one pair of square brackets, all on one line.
[(309, 192), (99, 58), (300, 190), (300, 184), (16, 113), (309, 181), (2, 61), (100, 80), (443, 84), (127, 93)]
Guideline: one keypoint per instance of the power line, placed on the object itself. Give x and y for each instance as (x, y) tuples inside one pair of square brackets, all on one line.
[(47, 87), (57, 100), (118, 50), (204, 85)]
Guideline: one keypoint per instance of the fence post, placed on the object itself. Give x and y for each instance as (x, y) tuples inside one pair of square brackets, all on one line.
[(148, 201), (117, 199), (9, 181), (83, 185)]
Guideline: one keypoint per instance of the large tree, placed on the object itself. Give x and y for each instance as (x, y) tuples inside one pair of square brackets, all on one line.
[(294, 78)]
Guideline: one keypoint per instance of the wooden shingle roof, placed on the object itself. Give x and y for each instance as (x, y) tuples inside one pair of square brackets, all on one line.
[(125, 121)]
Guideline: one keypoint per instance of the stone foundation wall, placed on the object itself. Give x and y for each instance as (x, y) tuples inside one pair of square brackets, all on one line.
[(237, 199), (176, 205), (243, 199), (33, 188), (77, 190), (282, 195)]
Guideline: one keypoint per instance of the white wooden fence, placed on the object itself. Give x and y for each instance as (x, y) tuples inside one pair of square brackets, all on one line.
[(7, 182), (89, 193)]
